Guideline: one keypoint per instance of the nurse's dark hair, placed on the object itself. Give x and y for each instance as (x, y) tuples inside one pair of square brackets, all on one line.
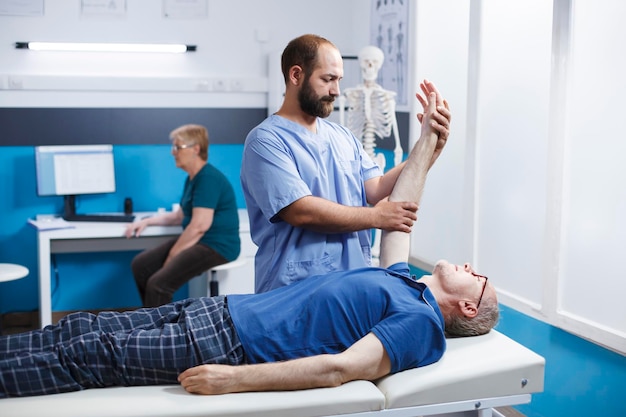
[(302, 51)]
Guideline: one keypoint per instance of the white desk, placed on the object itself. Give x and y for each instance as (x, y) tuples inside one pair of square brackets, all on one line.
[(89, 237), (109, 237)]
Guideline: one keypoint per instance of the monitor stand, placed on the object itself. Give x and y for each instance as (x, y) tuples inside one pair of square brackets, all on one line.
[(69, 205)]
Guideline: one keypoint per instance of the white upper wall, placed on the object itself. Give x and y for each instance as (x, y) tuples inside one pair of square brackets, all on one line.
[(444, 222), (532, 175), (593, 225), (233, 42)]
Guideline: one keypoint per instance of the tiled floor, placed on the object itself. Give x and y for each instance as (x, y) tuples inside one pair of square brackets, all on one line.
[(13, 330)]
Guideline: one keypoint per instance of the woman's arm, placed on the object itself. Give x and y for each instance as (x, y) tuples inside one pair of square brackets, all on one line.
[(165, 219), (201, 221)]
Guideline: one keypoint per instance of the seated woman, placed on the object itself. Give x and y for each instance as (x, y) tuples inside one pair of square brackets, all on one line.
[(208, 214)]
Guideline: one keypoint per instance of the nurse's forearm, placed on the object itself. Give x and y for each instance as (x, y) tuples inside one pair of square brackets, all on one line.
[(324, 216)]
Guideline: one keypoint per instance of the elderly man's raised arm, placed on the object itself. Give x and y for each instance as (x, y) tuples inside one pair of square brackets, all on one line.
[(410, 184)]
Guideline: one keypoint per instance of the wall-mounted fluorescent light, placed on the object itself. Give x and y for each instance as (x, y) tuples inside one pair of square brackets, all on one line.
[(106, 47)]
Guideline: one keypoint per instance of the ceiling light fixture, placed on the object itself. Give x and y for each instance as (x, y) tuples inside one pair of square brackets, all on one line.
[(106, 47)]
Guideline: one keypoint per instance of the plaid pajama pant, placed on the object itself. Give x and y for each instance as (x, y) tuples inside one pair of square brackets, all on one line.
[(149, 346)]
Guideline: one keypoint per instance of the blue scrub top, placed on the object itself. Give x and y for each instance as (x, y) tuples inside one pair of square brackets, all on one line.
[(283, 162)]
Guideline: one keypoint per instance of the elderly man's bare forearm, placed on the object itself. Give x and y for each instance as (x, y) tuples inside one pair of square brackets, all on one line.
[(410, 183)]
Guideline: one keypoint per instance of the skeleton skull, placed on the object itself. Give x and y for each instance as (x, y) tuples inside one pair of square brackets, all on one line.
[(370, 59)]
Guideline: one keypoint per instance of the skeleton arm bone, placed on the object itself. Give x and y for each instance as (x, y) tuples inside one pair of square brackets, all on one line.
[(342, 109), (397, 150)]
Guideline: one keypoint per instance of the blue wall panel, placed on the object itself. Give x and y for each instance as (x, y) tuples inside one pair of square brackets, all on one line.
[(146, 173)]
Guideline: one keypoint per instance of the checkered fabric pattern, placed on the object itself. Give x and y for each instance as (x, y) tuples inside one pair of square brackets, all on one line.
[(148, 346)]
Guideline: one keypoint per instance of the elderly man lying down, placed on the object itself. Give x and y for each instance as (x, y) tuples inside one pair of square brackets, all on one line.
[(320, 332)]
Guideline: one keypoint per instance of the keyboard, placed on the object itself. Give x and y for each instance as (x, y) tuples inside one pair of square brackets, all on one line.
[(114, 218)]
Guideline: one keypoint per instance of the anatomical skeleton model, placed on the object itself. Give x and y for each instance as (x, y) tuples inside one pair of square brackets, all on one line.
[(371, 109), (371, 115)]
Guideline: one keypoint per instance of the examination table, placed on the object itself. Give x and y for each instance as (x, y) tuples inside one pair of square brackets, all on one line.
[(475, 375)]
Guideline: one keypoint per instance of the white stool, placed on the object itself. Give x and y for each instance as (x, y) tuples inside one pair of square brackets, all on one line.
[(10, 272), (207, 283), (212, 274)]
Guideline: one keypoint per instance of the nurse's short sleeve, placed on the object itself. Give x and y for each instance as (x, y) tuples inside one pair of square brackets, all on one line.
[(269, 174)]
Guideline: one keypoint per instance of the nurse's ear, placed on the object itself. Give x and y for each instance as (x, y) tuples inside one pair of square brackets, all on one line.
[(296, 75)]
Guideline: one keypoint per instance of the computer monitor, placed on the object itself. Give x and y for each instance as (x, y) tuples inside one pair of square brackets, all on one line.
[(70, 170)]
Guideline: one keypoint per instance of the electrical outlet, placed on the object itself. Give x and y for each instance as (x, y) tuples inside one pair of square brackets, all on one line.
[(203, 85), (220, 85), (16, 83), (236, 84)]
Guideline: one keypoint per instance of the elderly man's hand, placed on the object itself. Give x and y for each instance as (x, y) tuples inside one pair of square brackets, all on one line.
[(209, 379), (440, 121)]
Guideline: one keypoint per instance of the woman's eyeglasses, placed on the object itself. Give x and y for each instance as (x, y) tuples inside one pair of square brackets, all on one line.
[(176, 148)]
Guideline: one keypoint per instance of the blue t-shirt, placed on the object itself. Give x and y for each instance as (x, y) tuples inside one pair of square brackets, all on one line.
[(211, 189), (283, 162), (328, 313)]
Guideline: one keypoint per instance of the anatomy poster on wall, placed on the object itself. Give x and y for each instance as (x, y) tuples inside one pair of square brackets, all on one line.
[(21, 8), (389, 32), (103, 8)]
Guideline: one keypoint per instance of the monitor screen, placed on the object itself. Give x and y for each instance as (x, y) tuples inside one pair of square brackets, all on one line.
[(74, 169)]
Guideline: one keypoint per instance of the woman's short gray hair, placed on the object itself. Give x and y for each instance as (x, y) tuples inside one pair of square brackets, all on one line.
[(194, 135)]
